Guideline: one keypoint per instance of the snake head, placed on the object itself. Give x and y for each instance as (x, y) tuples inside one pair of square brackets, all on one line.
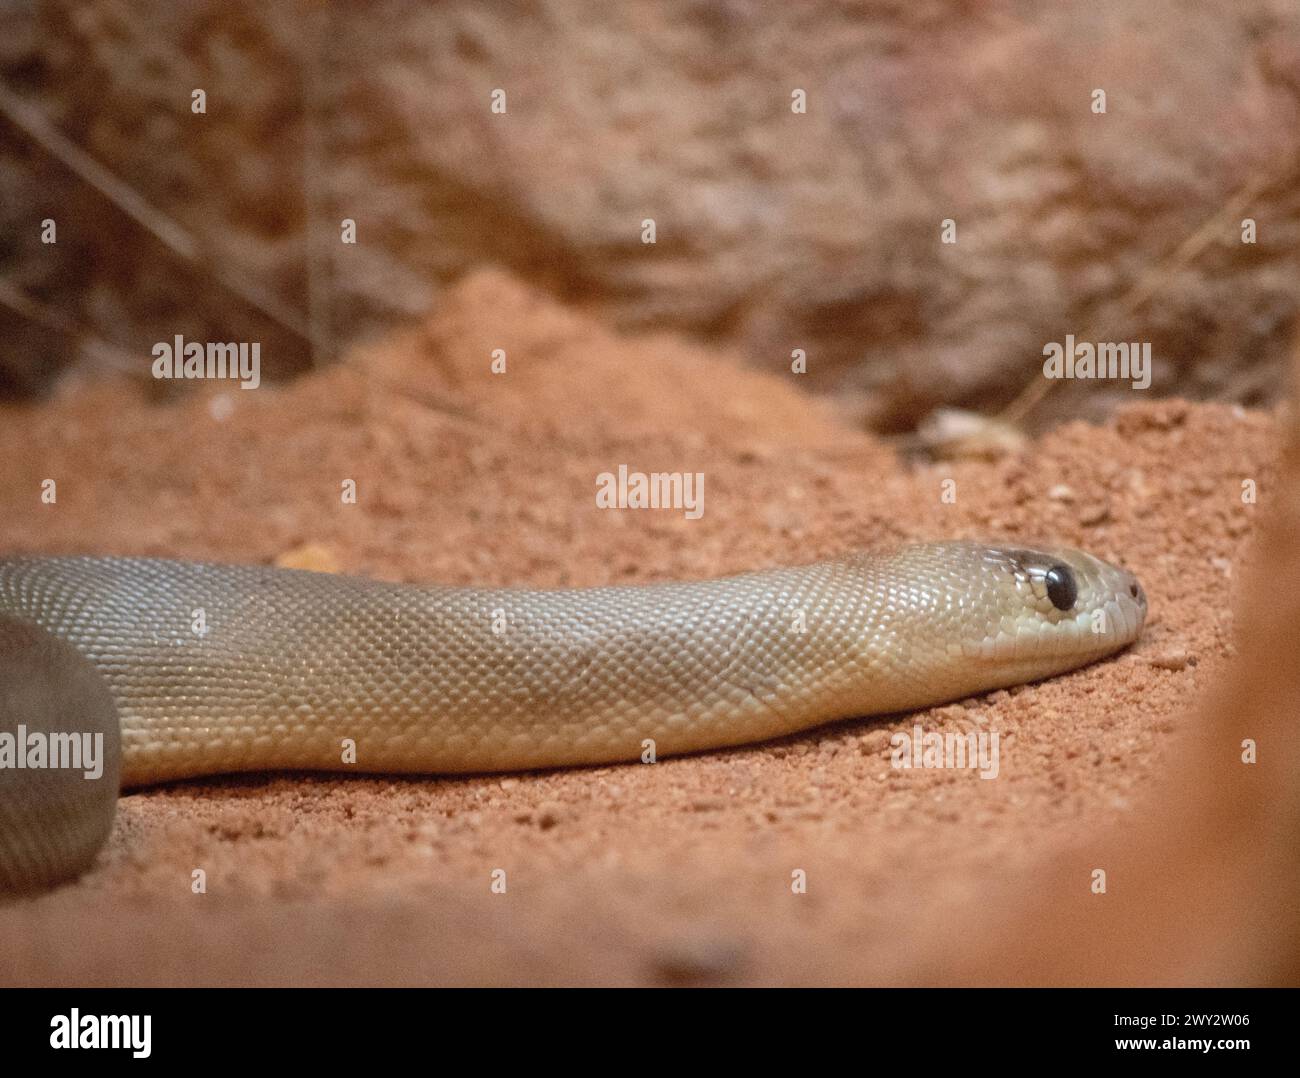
[(1057, 608)]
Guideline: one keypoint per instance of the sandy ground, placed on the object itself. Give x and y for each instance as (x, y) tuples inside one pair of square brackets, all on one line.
[(680, 872)]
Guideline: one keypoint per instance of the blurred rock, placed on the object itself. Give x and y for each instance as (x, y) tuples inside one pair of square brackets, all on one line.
[(776, 231)]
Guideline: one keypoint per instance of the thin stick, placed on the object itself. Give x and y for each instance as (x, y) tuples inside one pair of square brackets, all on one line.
[(42, 314), (1146, 286), (319, 259), (170, 234)]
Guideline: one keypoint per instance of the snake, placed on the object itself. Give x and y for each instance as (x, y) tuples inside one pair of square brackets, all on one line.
[(121, 672)]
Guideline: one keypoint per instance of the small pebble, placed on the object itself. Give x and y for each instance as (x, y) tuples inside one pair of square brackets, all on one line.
[(549, 813), (875, 742), (691, 959), (1172, 659)]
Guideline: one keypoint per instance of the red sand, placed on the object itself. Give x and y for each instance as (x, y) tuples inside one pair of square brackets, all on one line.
[(674, 873)]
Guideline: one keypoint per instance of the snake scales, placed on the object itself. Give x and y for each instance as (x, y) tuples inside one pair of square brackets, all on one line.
[(207, 669)]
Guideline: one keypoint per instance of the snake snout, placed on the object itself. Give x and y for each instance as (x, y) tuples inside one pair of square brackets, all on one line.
[(1115, 593), (1064, 607)]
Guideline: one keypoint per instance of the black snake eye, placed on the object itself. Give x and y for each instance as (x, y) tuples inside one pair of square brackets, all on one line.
[(1061, 588)]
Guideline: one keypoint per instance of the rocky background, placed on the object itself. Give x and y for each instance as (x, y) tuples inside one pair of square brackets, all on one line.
[(776, 230)]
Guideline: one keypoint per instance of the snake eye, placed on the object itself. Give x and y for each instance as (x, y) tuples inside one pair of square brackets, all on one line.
[(1061, 588)]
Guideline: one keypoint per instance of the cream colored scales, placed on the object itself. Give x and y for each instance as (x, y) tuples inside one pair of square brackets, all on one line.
[(290, 666)]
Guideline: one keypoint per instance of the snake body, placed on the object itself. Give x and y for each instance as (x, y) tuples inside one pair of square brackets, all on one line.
[(208, 669)]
